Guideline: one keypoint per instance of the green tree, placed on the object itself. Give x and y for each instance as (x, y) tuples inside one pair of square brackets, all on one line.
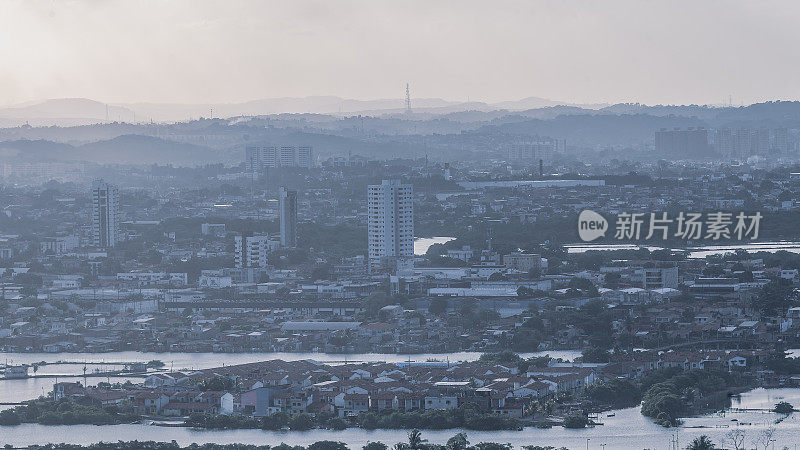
[(375, 446), (493, 446), (336, 423), (457, 442), (575, 421), (582, 284), (774, 298), (784, 408), (301, 422), (328, 445), (9, 417), (614, 392), (368, 421), (595, 355), (702, 442)]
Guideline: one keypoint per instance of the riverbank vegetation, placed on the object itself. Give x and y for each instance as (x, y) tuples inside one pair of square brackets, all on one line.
[(670, 394), (66, 412), (466, 416), (673, 393), (509, 358), (415, 441), (614, 393)]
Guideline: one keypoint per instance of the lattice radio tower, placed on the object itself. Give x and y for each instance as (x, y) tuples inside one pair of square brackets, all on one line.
[(408, 99)]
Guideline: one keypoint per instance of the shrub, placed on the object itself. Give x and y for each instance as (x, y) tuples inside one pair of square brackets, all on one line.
[(576, 421), (784, 408)]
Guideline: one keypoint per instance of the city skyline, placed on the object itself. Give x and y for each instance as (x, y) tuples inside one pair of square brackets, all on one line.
[(418, 225)]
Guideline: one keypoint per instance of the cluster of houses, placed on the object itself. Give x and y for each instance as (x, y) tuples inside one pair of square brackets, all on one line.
[(346, 390)]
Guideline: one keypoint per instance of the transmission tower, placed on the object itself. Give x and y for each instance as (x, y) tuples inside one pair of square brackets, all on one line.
[(408, 99)]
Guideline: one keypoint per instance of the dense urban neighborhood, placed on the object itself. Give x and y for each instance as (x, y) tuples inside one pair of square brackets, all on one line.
[(222, 268), (328, 259)]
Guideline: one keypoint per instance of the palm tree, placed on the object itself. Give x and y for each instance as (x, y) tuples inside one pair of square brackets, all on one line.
[(415, 440)]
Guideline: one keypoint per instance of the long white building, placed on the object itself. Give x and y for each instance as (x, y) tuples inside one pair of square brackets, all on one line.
[(390, 206), (105, 214), (258, 158)]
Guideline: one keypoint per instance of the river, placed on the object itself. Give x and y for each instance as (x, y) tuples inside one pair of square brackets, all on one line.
[(421, 245), (627, 429), (695, 252)]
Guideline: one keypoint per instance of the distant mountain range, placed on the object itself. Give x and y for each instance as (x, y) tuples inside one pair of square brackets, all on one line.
[(81, 111), (125, 149), (435, 127)]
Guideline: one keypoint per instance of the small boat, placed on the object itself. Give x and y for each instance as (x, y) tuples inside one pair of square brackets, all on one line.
[(611, 415), (285, 429)]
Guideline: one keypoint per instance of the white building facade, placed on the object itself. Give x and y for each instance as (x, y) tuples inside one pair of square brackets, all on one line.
[(252, 251), (258, 158), (390, 207)]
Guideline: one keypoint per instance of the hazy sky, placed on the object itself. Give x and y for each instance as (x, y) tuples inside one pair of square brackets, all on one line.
[(200, 51)]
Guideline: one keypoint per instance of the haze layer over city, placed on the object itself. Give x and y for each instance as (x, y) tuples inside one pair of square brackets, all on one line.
[(332, 225)]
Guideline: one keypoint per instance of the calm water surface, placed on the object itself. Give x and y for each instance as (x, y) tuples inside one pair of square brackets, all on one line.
[(421, 245), (696, 252)]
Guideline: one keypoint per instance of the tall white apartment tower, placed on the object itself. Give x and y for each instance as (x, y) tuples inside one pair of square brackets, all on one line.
[(105, 214), (390, 206)]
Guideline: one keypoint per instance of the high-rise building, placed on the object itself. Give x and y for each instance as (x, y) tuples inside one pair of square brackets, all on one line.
[(743, 143), (253, 250), (288, 156), (260, 157), (390, 207), (105, 214), (532, 152), (305, 156), (691, 142), (723, 142), (781, 144), (761, 141), (288, 207)]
